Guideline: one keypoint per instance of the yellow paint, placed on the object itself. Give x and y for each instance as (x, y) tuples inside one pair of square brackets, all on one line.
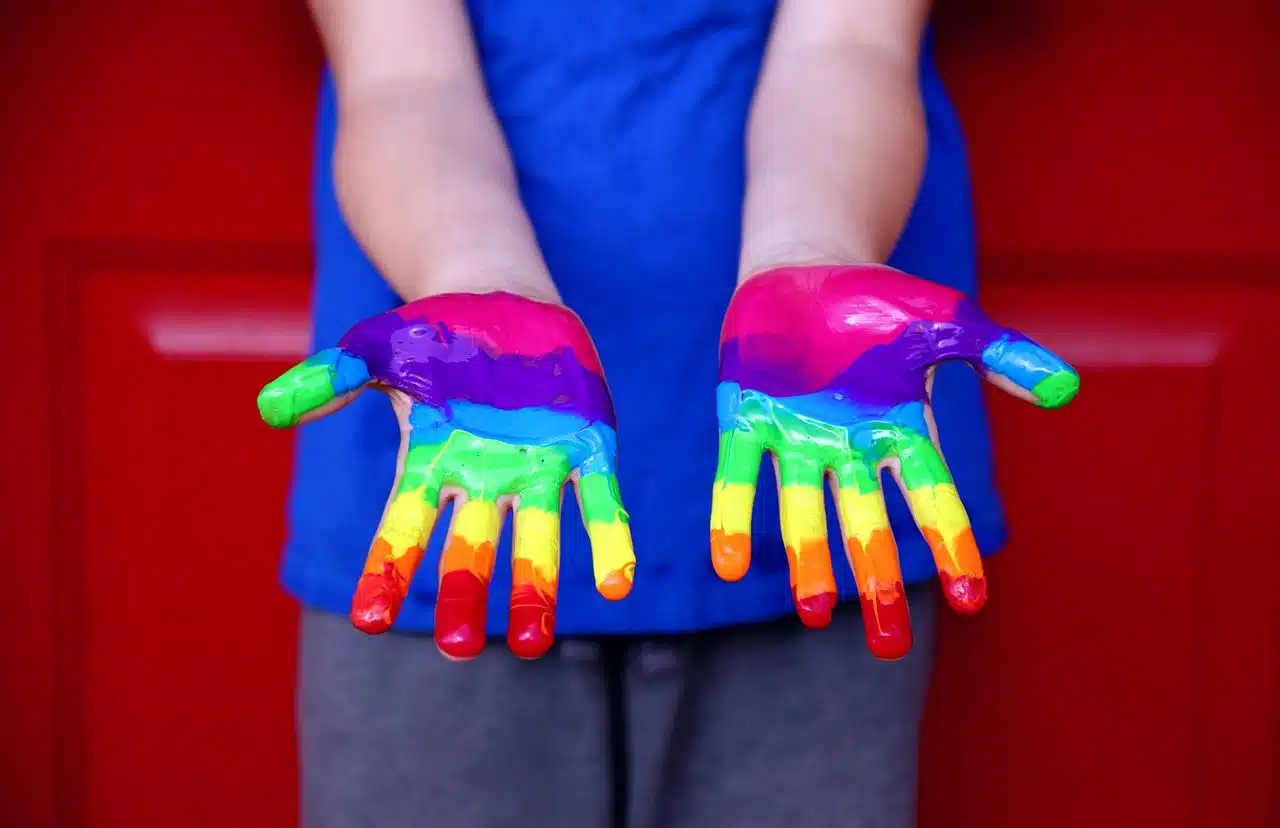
[(537, 540), (407, 522), (804, 516), (477, 522), (939, 508), (804, 533), (869, 545), (611, 549), (731, 505), (861, 513)]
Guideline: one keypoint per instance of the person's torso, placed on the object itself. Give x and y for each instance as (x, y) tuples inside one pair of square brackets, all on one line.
[(626, 123)]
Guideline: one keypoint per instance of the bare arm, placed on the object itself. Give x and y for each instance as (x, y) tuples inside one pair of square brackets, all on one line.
[(836, 140), (423, 174)]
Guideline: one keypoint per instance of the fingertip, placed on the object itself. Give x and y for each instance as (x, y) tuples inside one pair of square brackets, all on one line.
[(887, 619), (275, 407), (816, 611), (530, 638), (965, 593), (1057, 389), (531, 621), (1030, 370), (376, 601), (617, 585), (460, 614), (730, 555), (459, 644)]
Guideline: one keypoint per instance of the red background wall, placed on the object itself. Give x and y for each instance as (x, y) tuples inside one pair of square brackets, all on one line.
[(154, 159)]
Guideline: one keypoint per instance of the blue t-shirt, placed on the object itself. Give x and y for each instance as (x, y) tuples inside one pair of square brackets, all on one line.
[(626, 122)]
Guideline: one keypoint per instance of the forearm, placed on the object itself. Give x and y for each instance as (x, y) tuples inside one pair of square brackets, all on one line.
[(423, 174), (836, 148), (426, 184)]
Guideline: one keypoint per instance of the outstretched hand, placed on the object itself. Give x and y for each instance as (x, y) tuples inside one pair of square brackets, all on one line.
[(829, 370), (502, 403)]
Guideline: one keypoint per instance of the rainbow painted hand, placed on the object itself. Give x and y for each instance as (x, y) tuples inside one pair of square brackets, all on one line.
[(502, 402), (829, 369)]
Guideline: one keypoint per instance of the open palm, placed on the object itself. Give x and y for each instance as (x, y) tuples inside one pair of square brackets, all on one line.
[(502, 403), (829, 370)]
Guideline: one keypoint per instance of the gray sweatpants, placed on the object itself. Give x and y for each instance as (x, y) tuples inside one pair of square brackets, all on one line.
[(767, 726)]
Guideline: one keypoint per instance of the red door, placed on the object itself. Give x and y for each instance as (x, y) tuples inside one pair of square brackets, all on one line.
[(156, 160), (156, 270), (1127, 669)]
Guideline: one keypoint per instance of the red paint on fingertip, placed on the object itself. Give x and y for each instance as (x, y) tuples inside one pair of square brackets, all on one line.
[(460, 612), (531, 622), (965, 593), (815, 611), (377, 600), (887, 619)]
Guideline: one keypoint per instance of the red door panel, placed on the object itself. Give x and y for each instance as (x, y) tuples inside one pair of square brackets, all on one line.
[(1124, 670), (176, 646)]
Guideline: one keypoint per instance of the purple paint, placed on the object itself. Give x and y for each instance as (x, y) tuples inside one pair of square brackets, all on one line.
[(434, 365), (884, 375)]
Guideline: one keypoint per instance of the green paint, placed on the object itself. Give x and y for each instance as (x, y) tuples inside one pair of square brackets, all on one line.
[(545, 496), (920, 461), (1057, 389), (310, 384), (601, 500), (740, 455), (486, 469), (806, 448), (304, 387), (483, 468), (853, 473)]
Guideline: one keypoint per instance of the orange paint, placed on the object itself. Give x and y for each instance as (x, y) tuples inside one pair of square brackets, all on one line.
[(730, 554), (884, 604), (617, 584), (465, 571), (813, 582)]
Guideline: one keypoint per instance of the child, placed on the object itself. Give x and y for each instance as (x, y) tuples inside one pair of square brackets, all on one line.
[(636, 161)]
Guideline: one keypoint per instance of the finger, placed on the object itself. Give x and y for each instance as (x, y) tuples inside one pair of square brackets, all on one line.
[(1011, 360), (942, 519), (535, 572), (732, 498), (804, 534), (873, 556), (612, 555), (402, 536), (314, 387), (465, 570)]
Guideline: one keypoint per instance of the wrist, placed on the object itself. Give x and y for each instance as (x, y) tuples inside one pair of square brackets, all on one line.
[(480, 275), (760, 256)]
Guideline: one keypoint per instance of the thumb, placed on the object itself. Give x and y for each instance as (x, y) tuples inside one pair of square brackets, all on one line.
[(320, 384), (1011, 360)]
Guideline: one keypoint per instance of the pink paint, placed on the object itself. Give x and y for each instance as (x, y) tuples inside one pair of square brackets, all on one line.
[(818, 320), (508, 324)]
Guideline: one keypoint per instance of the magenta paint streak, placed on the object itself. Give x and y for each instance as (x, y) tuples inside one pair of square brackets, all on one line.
[(457, 347), (508, 324), (852, 330)]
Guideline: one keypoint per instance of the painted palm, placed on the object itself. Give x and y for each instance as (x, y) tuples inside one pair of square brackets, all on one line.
[(502, 403), (828, 369)]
